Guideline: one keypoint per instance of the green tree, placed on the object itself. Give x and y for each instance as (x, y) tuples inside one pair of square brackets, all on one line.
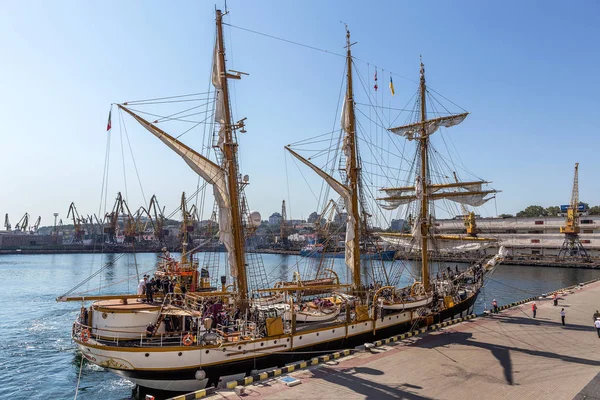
[(553, 211), (533, 211), (506, 216), (594, 210)]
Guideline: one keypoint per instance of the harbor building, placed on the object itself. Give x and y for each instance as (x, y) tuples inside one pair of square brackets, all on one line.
[(529, 237)]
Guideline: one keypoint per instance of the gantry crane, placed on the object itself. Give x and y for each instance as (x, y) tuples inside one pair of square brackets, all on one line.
[(468, 216), (572, 246), (7, 223), (78, 231)]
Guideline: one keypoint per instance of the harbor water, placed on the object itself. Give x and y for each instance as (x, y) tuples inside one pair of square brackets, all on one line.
[(39, 361)]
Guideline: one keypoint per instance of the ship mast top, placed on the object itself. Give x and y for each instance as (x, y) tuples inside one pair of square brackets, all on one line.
[(423, 216), (353, 165)]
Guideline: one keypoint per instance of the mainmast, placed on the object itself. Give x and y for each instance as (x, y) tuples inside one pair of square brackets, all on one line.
[(423, 216), (353, 167), (230, 164)]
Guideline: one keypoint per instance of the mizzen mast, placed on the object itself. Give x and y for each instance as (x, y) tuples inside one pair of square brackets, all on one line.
[(423, 215), (352, 167), (229, 148)]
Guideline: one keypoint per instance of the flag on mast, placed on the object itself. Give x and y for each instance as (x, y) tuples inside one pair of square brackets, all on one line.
[(392, 86), (109, 124), (375, 77)]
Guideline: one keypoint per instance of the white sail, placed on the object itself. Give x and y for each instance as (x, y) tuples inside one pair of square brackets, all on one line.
[(210, 172), (474, 200), (344, 192), (432, 125)]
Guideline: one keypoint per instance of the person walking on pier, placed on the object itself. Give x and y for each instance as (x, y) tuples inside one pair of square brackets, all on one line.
[(534, 309), (597, 326), (596, 315), (555, 299), (562, 316), (495, 306)]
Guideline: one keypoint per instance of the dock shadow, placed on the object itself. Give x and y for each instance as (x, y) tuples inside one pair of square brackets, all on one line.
[(502, 352), (511, 319), (368, 388)]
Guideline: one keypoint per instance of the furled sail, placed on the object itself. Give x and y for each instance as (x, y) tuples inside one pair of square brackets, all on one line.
[(220, 101), (344, 192), (345, 123), (443, 243), (472, 195), (412, 130), (210, 172)]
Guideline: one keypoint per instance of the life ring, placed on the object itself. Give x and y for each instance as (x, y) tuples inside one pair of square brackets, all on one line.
[(85, 335), (188, 340)]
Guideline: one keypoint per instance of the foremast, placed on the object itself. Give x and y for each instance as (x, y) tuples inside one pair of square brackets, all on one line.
[(353, 164), (229, 148), (224, 177)]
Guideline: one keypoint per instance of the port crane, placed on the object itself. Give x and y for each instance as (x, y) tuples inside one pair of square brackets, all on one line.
[(23, 223), (112, 220), (78, 230), (325, 219), (36, 225), (7, 223), (468, 216), (157, 219), (572, 246)]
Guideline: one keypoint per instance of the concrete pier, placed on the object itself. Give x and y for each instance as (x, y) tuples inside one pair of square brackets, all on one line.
[(506, 356)]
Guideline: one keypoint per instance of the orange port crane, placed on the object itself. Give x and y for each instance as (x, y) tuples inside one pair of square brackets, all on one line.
[(572, 246)]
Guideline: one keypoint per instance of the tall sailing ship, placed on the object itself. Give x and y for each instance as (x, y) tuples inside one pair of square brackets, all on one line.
[(248, 325)]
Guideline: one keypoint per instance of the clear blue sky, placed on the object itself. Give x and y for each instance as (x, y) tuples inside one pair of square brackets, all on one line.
[(527, 71)]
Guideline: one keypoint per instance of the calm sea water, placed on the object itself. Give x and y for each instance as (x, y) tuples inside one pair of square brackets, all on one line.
[(39, 361)]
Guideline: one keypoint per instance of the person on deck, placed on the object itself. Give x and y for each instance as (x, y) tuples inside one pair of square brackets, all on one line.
[(149, 290), (562, 316), (596, 315), (534, 309), (141, 287), (555, 299)]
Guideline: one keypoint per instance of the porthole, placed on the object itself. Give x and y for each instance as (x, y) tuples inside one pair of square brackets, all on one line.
[(390, 319), (365, 324), (224, 350), (147, 354), (104, 315), (300, 338), (207, 351), (180, 354), (333, 331), (262, 344), (275, 342), (288, 340), (239, 347), (352, 326)]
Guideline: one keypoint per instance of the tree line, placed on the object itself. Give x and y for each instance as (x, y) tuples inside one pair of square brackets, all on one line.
[(552, 211)]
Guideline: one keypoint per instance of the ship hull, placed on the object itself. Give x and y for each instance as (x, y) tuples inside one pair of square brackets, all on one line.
[(183, 378)]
